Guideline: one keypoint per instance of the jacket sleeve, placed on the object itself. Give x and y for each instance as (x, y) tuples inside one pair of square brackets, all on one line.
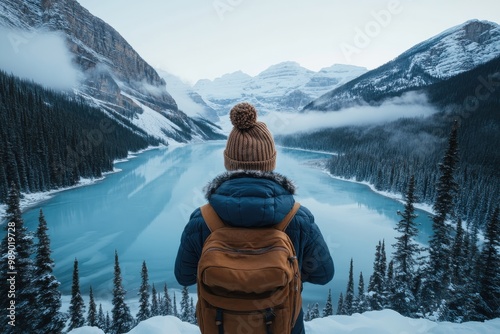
[(188, 255), (317, 263)]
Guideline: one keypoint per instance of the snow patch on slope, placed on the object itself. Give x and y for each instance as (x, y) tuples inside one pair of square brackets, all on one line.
[(187, 99), (153, 122)]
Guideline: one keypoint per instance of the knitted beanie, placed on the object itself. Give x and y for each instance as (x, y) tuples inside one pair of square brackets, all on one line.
[(250, 145)]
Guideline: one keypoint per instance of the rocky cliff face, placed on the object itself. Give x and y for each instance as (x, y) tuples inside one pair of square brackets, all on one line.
[(115, 75)]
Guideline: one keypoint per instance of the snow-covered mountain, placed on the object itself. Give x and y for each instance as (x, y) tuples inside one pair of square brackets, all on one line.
[(454, 51), (282, 87), (187, 99), (116, 78)]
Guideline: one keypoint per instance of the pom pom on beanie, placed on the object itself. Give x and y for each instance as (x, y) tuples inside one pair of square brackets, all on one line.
[(243, 116)]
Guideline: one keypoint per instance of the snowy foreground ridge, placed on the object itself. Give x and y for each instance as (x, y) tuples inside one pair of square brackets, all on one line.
[(373, 322)]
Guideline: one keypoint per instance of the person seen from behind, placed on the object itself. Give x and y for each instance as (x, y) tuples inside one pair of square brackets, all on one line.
[(250, 194)]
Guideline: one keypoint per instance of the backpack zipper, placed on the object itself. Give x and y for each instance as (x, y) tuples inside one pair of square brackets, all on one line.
[(247, 251)]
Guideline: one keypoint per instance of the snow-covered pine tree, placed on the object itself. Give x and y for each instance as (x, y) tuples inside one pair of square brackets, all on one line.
[(192, 312), (185, 304), (458, 255), (101, 319), (389, 288), (376, 279), (349, 295), (175, 313), (471, 241), (122, 319), (92, 312), (438, 276), (144, 311), (340, 305), (379, 180), (49, 319), (76, 305), (376, 285), (307, 314), (406, 248), (490, 264), (315, 312), (160, 302), (167, 302), (360, 304), (155, 307), (17, 248), (463, 298), (405, 256), (383, 260), (472, 268), (328, 309), (108, 325)]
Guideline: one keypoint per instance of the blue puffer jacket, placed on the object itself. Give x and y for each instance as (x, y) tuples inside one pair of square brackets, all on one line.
[(251, 199)]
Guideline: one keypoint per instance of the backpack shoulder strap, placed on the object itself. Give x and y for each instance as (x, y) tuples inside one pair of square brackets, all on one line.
[(211, 217), (288, 218)]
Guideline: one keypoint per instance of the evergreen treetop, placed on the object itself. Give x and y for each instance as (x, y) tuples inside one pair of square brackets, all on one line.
[(438, 277), (122, 320), (328, 310), (76, 306), (92, 315), (144, 311)]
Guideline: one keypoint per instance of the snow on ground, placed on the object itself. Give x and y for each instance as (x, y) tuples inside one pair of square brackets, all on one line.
[(87, 330), (373, 322)]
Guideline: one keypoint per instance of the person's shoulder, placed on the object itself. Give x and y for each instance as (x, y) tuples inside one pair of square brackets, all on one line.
[(196, 222), (303, 220), (304, 215), (196, 214)]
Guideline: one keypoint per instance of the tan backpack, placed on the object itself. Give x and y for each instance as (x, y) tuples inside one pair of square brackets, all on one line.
[(248, 279)]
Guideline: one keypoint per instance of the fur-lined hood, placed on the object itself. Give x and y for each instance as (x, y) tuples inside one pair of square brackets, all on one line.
[(280, 179), (251, 198)]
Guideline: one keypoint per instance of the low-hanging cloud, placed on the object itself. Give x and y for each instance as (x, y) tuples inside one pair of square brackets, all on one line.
[(38, 55), (407, 106)]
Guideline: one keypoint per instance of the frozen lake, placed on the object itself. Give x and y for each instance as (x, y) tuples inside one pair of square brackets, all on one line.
[(141, 212)]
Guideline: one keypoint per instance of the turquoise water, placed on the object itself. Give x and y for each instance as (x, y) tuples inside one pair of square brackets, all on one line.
[(141, 211)]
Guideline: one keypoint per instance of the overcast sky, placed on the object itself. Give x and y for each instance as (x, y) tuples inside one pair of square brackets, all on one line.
[(204, 39)]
